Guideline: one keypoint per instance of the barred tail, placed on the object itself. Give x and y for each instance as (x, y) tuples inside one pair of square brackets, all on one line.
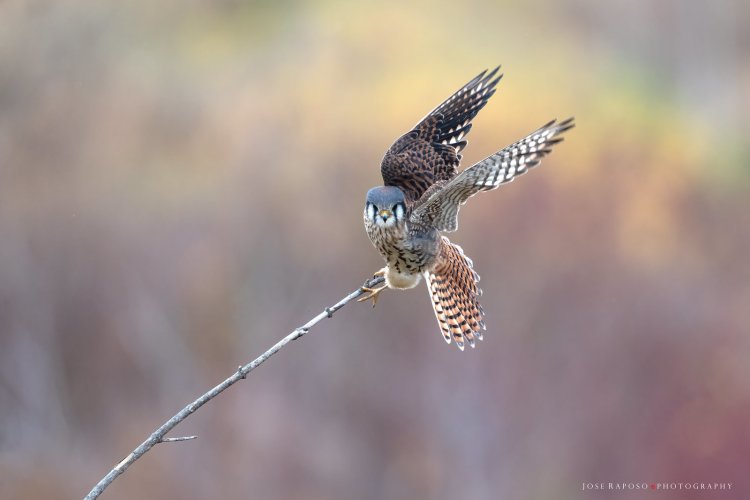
[(455, 295)]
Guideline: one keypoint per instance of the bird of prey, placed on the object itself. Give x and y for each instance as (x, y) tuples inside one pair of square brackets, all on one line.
[(422, 193)]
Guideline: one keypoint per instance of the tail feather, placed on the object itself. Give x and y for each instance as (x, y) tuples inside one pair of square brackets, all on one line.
[(455, 296)]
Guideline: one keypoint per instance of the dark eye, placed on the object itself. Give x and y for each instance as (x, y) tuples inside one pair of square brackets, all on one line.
[(398, 210)]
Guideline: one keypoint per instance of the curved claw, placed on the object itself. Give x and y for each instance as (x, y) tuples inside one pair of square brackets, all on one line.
[(373, 294)]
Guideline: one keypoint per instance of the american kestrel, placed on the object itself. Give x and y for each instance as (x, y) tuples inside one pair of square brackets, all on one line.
[(421, 196)]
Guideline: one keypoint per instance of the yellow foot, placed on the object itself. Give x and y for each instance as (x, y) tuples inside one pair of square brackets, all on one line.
[(379, 273), (373, 294)]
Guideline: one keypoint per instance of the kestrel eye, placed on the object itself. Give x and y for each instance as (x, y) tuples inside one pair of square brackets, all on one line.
[(398, 209)]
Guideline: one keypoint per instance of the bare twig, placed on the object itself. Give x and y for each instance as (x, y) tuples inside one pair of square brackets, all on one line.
[(174, 440), (158, 435)]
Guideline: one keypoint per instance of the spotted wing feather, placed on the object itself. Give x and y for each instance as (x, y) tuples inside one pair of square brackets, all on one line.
[(439, 209), (454, 115), (454, 290), (430, 152)]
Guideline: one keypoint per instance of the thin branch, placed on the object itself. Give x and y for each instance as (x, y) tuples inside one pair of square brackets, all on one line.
[(158, 436), (174, 440)]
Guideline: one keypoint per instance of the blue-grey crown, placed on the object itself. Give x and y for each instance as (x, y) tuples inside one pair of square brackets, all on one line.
[(385, 196)]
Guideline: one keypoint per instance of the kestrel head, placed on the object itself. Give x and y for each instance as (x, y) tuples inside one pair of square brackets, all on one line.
[(385, 206)]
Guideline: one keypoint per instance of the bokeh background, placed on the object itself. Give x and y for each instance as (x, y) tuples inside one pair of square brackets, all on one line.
[(182, 182)]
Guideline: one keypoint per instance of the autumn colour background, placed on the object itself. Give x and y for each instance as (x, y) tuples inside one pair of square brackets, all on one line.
[(182, 183)]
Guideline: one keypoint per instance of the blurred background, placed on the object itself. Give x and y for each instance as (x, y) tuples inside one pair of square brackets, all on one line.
[(182, 184)]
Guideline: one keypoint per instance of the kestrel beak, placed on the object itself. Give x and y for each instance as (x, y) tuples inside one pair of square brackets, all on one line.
[(384, 214)]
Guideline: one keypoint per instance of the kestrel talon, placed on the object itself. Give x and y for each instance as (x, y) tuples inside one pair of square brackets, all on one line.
[(422, 193)]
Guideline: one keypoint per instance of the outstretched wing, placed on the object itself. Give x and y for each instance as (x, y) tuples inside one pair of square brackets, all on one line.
[(430, 152), (440, 209)]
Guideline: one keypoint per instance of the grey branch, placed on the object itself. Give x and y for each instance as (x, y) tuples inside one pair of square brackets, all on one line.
[(158, 436), (174, 440)]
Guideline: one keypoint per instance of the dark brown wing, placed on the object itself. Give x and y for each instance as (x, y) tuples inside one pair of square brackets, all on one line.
[(430, 152)]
